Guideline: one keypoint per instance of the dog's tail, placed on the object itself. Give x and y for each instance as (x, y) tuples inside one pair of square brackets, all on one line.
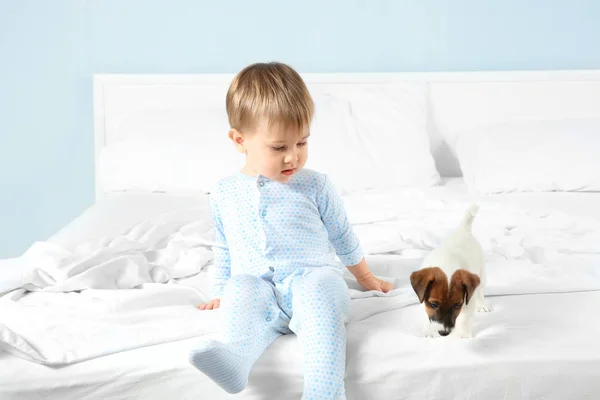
[(467, 222)]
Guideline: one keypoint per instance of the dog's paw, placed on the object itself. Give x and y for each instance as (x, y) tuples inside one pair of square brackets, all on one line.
[(484, 307), (428, 332)]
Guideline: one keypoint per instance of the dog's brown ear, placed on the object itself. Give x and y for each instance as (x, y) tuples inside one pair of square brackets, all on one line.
[(421, 282), (465, 281)]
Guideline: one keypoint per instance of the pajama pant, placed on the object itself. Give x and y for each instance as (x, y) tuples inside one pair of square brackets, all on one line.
[(312, 303)]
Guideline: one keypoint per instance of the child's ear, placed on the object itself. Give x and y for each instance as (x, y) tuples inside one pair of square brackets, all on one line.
[(238, 140)]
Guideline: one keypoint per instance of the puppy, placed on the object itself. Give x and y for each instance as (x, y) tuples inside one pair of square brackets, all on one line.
[(450, 282)]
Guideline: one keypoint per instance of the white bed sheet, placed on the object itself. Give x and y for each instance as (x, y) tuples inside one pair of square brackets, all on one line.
[(118, 211), (534, 346), (122, 209), (531, 346)]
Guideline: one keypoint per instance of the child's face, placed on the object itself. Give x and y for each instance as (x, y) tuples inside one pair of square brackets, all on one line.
[(273, 152)]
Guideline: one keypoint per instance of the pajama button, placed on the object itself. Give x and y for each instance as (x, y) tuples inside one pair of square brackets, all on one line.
[(261, 183), (269, 319), (264, 213)]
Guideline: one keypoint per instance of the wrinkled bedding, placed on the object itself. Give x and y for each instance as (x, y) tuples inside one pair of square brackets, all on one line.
[(112, 316), (124, 290)]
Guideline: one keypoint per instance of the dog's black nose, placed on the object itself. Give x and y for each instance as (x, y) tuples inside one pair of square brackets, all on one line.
[(444, 333)]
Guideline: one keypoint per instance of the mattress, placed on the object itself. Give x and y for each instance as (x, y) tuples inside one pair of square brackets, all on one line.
[(537, 343)]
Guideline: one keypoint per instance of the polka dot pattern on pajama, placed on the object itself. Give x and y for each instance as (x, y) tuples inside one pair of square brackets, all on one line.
[(277, 273)]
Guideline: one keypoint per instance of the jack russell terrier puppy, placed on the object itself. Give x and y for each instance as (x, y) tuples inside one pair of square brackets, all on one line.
[(450, 282)]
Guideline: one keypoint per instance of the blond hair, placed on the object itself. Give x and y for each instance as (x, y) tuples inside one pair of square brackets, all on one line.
[(271, 91)]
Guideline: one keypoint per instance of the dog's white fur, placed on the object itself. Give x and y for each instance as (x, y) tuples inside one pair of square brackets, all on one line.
[(460, 250)]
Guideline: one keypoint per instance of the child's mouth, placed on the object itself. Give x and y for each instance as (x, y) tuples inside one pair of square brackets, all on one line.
[(288, 172)]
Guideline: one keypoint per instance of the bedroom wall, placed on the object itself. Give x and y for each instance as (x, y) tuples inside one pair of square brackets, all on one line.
[(50, 49)]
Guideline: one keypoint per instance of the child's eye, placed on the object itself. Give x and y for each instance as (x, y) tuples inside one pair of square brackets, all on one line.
[(280, 148), (301, 144)]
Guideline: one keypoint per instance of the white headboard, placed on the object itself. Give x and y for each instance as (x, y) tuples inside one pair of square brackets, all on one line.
[(458, 100)]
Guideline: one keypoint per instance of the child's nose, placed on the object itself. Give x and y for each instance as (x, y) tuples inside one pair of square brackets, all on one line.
[(290, 157)]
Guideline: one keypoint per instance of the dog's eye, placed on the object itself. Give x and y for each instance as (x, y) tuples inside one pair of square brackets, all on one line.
[(457, 306), (434, 305)]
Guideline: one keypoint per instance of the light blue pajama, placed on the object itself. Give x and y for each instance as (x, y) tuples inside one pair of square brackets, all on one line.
[(277, 273)]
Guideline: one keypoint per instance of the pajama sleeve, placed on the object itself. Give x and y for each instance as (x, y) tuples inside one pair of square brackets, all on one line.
[(221, 259), (342, 237)]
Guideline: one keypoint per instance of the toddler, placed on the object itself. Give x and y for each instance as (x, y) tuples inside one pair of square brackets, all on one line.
[(279, 228)]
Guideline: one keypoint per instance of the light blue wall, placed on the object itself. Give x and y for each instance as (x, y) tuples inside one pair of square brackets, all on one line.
[(50, 49)]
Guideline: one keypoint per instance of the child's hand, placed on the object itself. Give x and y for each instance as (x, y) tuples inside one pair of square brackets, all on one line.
[(371, 282), (211, 305), (366, 278)]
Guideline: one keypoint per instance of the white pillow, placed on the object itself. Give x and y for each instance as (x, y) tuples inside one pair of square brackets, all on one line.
[(366, 137), (530, 156), (372, 136), (163, 166), (179, 151)]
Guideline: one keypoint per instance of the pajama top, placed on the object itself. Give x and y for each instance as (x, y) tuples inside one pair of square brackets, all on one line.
[(264, 227)]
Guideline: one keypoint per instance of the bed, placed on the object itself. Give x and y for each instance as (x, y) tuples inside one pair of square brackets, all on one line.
[(103, 322)]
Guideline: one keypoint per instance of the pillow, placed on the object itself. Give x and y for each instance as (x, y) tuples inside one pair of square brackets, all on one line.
[(180, 151), (372, 136), (165, 166), (365, 136), (531, 156)]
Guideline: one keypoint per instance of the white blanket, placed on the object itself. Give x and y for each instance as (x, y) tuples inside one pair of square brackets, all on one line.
[(118, 293)]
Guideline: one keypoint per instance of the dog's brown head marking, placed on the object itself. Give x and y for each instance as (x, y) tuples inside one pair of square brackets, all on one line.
[(443, 301)]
